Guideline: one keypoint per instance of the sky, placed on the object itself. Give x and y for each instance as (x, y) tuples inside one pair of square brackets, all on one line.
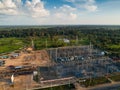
[(59, 12)]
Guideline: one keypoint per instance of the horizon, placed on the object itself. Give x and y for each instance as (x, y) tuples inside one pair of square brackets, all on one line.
[(65, 25)]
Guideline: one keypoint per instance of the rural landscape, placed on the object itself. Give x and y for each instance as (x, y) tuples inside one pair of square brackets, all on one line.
[(38, 57), (59, 44)]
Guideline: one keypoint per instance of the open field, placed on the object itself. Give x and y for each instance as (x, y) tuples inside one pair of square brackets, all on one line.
[(10, 44)]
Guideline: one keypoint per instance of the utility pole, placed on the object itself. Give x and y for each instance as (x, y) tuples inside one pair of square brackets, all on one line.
[(46, 43), (91, 61), (76, 40), (56, 54), (32, 42)]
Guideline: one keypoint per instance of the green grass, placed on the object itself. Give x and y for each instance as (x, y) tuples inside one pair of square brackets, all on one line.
[(115, 77), (95, 81), (45, 42), (115, 46), (63, 87), (10, 44)]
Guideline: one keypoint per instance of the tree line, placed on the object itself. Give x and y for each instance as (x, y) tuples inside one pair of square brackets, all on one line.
[(103, 37)]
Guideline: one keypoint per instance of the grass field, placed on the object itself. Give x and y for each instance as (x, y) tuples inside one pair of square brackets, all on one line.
[(115, 77), (95, 81), (11, 44), (63, 87)]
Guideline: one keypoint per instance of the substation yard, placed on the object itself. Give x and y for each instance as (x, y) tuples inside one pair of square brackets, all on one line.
[(80, 62), (56, 66)]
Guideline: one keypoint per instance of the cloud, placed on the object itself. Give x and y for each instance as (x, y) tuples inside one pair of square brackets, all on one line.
[(34, 8), (34, 11), (91, 1), (66, 8), (89, 5), (73, 16), (91, 8), (66, 12), (8, 7), (8, 4), (70, 0)]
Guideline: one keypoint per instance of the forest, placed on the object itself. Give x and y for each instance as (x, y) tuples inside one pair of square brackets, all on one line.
[(106, 38)]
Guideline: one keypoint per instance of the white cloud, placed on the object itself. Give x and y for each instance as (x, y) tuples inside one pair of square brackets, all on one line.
[(89, 5), (66, 12), (9, 4), (18, 3), (15, 12), (70, 0), (34, 8), (67, 8), (91, 1), (8, 7), (8, 11), (91, 8), (73, 16)]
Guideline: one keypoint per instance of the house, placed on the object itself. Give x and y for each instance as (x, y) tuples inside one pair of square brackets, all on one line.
[(66, 40), (14, 55), (2, 62), (4, 57)]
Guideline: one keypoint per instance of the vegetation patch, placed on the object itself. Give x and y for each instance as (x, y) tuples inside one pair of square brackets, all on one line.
[(63, 87), (95, 81), (106, 38), (10, 44), (115, 77)]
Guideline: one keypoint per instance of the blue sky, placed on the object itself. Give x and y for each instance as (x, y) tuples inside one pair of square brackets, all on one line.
[(50, 12)]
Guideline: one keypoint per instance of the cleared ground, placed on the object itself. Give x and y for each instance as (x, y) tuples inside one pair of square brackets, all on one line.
[(33, 58), (22, 82)]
